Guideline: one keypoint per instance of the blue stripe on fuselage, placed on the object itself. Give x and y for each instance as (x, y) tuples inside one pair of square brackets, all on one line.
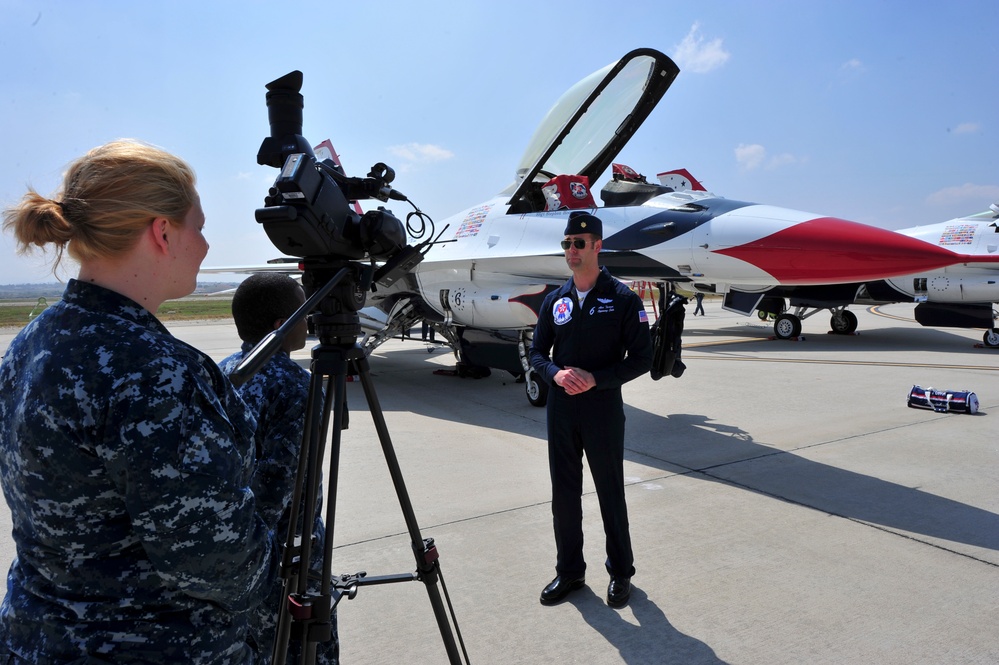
[(668, 224)]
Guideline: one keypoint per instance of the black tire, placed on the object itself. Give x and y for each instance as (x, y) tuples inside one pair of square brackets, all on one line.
[(844, 323), (787, 326), (991, 337), (537, 391)]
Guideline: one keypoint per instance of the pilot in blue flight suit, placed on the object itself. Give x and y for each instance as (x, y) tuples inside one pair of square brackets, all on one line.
[(592, 336)]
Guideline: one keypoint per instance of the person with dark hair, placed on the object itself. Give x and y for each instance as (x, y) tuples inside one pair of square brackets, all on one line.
[(592, 336), (278, 395), (125, 454), (262, 303)]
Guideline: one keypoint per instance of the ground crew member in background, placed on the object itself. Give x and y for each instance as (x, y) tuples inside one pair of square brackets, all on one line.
[(592, 336)]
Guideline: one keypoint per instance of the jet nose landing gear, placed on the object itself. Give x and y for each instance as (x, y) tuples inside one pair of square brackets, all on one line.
[(787, 326)]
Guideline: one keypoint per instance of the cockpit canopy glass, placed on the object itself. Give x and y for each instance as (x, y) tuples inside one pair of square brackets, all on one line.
[(590, 124)]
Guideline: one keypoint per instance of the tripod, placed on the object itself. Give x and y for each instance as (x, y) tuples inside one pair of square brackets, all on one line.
[(306, 616)]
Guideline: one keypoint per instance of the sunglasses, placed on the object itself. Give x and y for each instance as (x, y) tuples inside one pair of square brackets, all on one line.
[(578, 243)]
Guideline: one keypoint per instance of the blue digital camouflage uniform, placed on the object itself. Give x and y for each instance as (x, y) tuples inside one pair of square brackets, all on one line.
[(278, 396), (608, 335), (126, 459)]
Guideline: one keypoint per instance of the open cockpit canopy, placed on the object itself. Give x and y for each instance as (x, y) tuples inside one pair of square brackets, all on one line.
[(589, 125)]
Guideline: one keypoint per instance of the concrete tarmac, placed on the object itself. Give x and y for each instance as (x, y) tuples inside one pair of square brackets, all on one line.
[(786, 505)]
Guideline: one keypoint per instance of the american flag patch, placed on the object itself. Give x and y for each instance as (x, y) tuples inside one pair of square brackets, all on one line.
[(643, 317)]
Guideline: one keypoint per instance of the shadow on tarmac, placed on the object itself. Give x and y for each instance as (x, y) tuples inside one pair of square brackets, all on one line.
[(653, 641), (890, 341), (725, 454), (696, 445)]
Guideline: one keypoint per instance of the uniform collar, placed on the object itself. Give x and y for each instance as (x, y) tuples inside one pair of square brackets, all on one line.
[(97, 298), (246, 347), (603, 279)]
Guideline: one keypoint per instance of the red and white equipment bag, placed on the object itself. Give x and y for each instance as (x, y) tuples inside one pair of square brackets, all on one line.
[(568, 192)]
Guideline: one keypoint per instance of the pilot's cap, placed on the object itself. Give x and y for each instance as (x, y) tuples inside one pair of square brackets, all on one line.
[(583, 222)]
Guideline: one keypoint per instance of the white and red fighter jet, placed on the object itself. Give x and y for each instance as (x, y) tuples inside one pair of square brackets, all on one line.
[(481, 283), (482, 287)]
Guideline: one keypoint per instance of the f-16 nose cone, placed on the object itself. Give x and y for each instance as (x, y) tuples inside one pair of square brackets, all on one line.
[(829, 250)]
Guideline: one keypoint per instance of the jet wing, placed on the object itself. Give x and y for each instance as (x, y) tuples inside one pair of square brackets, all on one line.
[(288, 266)]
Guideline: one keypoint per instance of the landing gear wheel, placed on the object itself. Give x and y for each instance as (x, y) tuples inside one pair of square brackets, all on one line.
[(537, 391), (787, 326), (991, 337), (843, 323)]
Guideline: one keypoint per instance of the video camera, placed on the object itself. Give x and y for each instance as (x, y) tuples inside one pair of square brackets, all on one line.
[(307, 211)]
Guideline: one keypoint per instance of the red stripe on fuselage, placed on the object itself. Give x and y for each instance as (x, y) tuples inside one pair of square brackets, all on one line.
[(828, 250)]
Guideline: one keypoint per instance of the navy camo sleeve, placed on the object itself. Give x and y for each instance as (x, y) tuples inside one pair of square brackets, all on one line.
[(184, 470), (281, 421)]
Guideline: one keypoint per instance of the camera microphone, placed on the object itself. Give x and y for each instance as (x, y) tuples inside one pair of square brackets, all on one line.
[(396, 195), (385, 174)]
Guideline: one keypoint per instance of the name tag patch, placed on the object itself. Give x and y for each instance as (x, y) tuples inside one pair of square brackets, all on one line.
[(606, 306)]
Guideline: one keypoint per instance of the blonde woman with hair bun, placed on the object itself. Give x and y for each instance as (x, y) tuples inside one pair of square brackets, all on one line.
[(125, 455)]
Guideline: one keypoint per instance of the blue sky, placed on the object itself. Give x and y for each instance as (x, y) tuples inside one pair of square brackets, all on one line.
[(885, 113)]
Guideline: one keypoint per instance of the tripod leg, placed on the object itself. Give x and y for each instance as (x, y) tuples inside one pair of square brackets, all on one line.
[(332, 368), (426, 561), (313, 614), (307, 483)]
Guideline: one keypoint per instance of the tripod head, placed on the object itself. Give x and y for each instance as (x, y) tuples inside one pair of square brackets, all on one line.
[(338, 288), (334, 320)]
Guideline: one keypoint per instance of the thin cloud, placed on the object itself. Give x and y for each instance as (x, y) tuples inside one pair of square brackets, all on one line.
[(783, 159), (853, 66), (696, 55), (968, 194), (849, 71), (967, 128), (750, 157), (424, 153), (754, 156)]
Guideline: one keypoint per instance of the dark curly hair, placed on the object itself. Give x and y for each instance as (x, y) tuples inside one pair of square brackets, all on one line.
[(260, 301)]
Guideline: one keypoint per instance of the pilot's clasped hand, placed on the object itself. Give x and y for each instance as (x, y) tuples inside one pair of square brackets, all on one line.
[(575, 380)]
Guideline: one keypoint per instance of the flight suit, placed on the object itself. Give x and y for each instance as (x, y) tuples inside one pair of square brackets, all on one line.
[(608, 335)]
